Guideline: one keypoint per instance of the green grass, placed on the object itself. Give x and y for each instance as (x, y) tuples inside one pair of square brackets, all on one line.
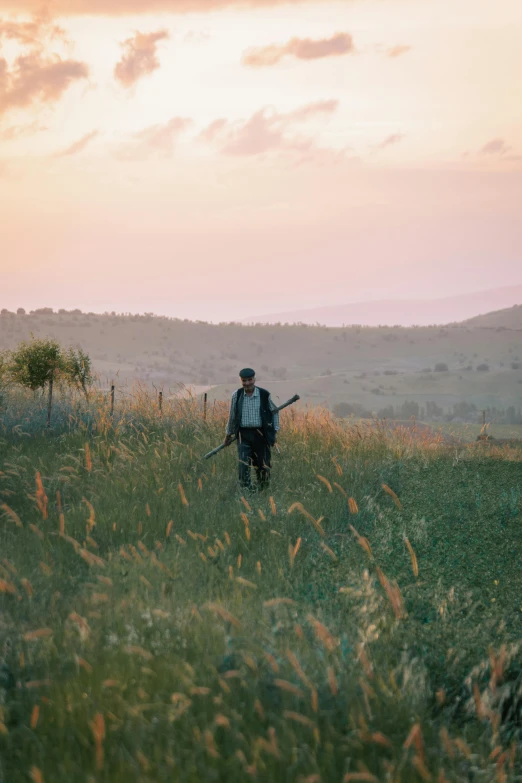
[(167, 656)]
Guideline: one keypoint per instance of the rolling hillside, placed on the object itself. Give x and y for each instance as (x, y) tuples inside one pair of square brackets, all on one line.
[(509, 318), (372, 366)]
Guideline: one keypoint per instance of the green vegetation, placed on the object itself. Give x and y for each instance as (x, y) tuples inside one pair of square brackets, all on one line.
[(43, 363), (360, 623)]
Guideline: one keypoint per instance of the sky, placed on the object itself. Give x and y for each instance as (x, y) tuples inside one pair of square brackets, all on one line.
[(212, 159)]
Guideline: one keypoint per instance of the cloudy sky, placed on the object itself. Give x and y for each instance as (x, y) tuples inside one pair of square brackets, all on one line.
[(216, 159)]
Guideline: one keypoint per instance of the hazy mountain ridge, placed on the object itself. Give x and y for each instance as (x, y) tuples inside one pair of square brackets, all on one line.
[(509, 318), (401, 312)]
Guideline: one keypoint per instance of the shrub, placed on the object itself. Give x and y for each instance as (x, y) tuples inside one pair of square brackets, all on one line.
[(440, 367), (482, 367), (77, 367)]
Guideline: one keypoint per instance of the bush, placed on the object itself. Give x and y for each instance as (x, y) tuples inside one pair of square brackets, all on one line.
[(482, 367), (440, 367)]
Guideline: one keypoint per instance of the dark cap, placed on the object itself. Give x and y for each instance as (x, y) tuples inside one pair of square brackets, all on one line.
[(248, 372)]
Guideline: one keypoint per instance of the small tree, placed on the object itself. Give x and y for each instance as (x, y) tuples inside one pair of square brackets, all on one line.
[(78, 369), (36, 365)]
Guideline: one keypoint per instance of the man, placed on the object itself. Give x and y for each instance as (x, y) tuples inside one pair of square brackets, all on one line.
[(253, 421)]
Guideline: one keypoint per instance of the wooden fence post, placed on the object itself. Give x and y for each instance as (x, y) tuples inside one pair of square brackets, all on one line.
[(205, 407), (160, 401), (112, 399)]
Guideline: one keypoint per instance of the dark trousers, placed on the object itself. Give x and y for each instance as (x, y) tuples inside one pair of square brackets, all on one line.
[(252, 449)]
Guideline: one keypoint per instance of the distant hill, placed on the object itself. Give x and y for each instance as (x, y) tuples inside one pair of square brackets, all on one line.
[(401, 312), (509, 318), (374, 367)]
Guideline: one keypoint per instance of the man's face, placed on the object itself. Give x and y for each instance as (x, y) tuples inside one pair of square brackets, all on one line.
[(248, 384)]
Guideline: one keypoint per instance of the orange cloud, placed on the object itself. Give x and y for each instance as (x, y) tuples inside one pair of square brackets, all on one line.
[(396, 51), (133, 7), (35, 78), (30, 33), (301, 48), (37, 75), (139, 58)]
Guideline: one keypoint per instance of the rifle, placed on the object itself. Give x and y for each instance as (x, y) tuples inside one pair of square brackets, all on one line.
[(234, 437)]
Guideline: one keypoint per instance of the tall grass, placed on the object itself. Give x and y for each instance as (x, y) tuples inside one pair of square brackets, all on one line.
[(359, 621)]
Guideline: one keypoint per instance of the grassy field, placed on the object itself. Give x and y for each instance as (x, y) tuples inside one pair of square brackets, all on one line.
[(361, 621)]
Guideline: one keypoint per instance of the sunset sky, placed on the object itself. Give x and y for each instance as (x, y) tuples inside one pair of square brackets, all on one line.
[(211, 159)]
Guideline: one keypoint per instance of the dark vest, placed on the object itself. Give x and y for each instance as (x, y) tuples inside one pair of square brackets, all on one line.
[(267, 417)]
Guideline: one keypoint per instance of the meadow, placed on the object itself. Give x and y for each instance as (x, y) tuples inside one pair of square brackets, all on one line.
[(359, 621)]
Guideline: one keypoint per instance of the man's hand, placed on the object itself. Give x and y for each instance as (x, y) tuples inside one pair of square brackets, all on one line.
[(228, 440)]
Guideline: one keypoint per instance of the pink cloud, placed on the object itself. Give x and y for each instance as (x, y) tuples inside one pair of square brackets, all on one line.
[(162, 136), (212, 131), (77, 146), (267, 131), (154, 140), (495, 147), (139, 57), (389, 141), (301, 48), (312, 109), (16, 131)]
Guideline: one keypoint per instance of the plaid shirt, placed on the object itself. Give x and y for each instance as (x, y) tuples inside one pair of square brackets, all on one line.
[(251, 414)]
